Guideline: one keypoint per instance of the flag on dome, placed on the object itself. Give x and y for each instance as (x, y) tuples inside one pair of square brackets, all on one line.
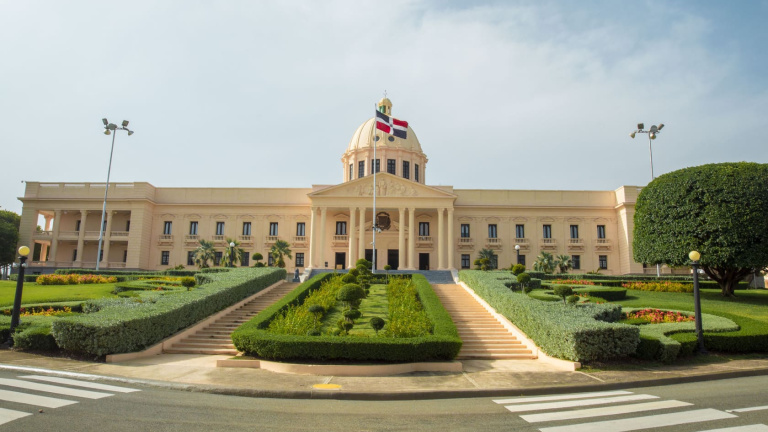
[(391, 125)]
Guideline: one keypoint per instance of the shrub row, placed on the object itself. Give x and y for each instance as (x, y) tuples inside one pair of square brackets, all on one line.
[(605, 293), (444, 344), (572, 332), (127, 325)]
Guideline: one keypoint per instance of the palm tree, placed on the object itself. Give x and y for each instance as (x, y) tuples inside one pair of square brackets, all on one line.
[(233, 255), (279, 249), (488, 255), (564, 263), (204, 253), (545, 263)]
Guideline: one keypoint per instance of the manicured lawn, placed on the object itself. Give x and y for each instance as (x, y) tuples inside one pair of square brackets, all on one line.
[(375, 305), (36, 294)]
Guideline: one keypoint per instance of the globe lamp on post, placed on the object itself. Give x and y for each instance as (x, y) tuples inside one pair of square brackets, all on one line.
[(23, 253), (517, 249), (231, 254), (695, 256)]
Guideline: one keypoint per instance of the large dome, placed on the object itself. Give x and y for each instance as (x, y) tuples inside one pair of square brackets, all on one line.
[(361, 139)]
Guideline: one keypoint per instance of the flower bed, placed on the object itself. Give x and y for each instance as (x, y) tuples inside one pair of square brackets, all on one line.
[(660, 286), (74, 279), (657, 316)]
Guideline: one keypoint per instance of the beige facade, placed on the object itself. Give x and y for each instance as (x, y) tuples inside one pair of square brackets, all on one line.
[(330, 226)]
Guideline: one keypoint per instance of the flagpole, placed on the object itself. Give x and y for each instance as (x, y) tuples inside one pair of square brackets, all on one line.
[(374, 224)]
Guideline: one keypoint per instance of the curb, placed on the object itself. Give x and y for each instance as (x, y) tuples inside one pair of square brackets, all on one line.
[(396, 395)]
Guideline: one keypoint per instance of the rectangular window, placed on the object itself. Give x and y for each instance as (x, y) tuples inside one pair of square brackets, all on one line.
[(299, 259), (494, 261), (77, 226), (127, 225), (246, 228), (424, 229), (165, 257), (300, 229), (104, 225), (576, 261), (190, 258), (601, 231), (219, 228), (351, 172), (341, 228), (273, 228), (519, 231), (574, 231), (521, 259), (391, 166), (376, 165), (74, 254), (406, 170), (603, 260), (245, 260), (465, 261), (217, 258), (547, 231), (270, 260), (464, 230), (492, 233), (416, 172), (193, 228), (125, 255), (167, 225), (361, 169)]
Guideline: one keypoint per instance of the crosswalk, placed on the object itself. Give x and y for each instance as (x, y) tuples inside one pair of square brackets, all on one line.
[(586, 412), (56, 392)]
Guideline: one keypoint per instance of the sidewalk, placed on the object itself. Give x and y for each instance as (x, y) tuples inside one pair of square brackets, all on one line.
[(479, 378)]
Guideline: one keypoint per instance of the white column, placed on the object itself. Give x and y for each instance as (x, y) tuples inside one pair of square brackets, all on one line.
[(323, 229), (412, 239), (401, 241), (361, 240), (352, 246), (440, 239), (312, 255), (451, 243)]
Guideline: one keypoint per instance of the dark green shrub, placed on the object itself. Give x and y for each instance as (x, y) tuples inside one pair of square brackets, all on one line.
[(349, 278), (517, 269), (188, 283), (563, 291), (314, 332), (572, 299), (351, 294), (377, 324), (352, 314), (354, 272), (35, 338)]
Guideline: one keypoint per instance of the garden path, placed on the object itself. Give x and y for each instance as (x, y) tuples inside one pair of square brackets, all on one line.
[(483, 335)]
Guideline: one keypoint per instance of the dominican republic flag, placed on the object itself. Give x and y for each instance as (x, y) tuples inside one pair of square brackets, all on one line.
[(391, 125)]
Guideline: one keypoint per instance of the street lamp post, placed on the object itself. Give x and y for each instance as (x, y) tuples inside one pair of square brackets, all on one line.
[(652, 133), (517, 249), (23, 252), (695, 256), (231, 254), (109, 129)]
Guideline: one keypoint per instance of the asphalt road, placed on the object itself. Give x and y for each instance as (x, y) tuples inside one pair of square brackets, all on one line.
[(705, 405)]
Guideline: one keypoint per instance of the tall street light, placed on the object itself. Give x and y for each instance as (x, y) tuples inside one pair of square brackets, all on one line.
[(109, 129), (695, 256), (517, 249), (652, 133), (23, 252)]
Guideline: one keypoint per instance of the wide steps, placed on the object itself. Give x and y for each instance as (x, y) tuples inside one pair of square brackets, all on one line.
[(216, 337)]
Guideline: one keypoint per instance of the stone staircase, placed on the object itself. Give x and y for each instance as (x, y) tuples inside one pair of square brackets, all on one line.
[(483, 335), (215, 338)]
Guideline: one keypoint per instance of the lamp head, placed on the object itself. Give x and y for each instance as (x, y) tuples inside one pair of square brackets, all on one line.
[(694, 256), (661, 126), (107, 132), (23, 251), (632, 135), (125, 123), (231, 244), (517, 247), (130, 132), (112, 126), (652, 135), (106, 122), (654, 129), (640, 126)]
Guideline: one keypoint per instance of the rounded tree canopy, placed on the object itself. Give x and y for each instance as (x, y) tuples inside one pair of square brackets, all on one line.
[(350, 292), (717, 209)]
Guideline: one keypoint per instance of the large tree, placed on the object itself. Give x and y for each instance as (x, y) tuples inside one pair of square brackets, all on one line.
[(9, 236), (720, 210), (278, 250)]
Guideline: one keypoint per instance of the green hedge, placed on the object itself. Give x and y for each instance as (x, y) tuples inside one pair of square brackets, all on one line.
[(127, 324), (252, 337), (572, 332)]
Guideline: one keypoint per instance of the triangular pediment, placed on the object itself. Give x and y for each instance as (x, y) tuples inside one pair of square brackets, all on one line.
[(387, 185)]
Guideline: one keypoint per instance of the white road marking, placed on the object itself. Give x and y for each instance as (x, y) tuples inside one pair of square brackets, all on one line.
[(7, 415), (576, 403), (86, 384), (648, 422), (604, 411), (747, 428), (560, 397), (29, 399), (757, 408), (53, 389)]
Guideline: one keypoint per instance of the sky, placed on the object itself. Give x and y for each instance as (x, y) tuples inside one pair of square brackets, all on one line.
[(501, 94)]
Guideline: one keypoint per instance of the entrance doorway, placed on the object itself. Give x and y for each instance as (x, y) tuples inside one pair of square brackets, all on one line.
[(423, 261), (369, 256), (341, 261), (393, 258)]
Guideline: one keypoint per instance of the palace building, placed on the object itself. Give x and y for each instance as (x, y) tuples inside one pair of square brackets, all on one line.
[(331, 226)]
